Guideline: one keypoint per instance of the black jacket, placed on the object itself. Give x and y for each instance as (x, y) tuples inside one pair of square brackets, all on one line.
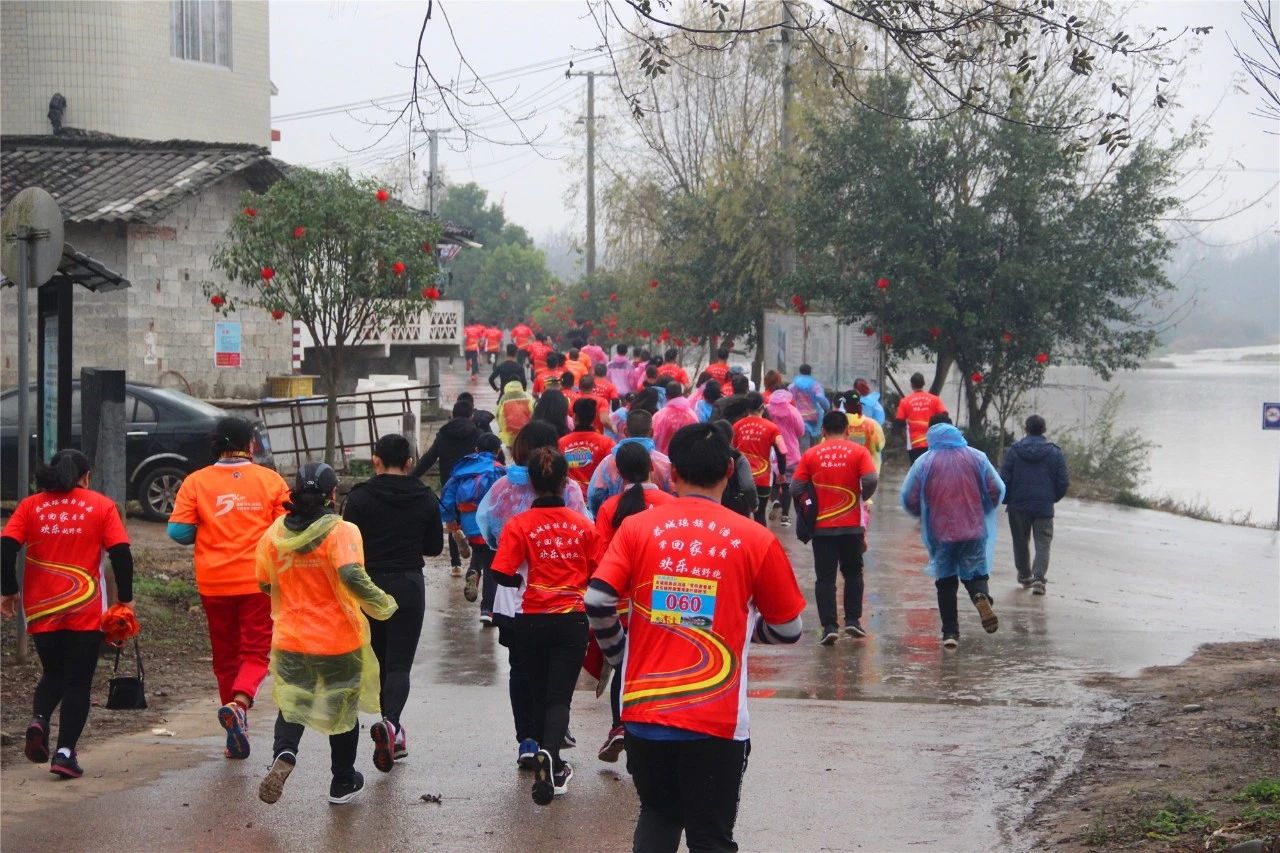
[(504, 372), (399, 520), (1035, 476), (455, 440)]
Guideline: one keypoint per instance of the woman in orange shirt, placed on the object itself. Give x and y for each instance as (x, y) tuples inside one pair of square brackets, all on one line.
[(224, 509), (323, 669)]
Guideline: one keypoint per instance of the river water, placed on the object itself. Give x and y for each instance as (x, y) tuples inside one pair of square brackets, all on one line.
[(1203, 412)]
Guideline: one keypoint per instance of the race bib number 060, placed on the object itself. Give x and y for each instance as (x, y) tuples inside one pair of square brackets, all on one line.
[(690, 602)]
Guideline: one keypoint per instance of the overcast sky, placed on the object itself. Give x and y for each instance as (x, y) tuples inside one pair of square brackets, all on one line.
[(326, 56)]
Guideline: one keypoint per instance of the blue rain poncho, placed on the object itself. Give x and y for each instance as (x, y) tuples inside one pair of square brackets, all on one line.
[(954, 490)]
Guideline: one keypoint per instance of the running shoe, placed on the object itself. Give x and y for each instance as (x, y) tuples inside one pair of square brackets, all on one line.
[(569, 741), (544, 783), (786, 521), (402, 744), (37, 747), (66, 766), (1025, 582), (854, 629), (528, 755), (614, 744), (233, 718), (464, 547), (561, 779), (486, 618), (775, 511), (989, 621), (456, 571), (1037, 587), (829, 636), (272, 785), (383, 733), (950, 641), (344, 789), (471, 590)]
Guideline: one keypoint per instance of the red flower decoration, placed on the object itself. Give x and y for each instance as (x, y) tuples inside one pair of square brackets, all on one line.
[(383, 196), (1007, 337), (1042, 358), (665, 336), (678, 342), (869, 331), (653, 284), (551, 300), (398, 268), (268, 273), (250, 212), (277, 314), (882, 283), (299, 233), (613, 297), (427, 247), (935, 332), (693, 341), (975, 377), (887, 339), (715, 305), (431, 293), (217, 301), (611, 336), (584, 295), (645, 335)]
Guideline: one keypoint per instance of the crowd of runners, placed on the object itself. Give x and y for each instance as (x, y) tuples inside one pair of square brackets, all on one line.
[(615, 514)]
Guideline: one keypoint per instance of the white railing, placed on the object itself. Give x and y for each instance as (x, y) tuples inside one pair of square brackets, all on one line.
[(439, 326)]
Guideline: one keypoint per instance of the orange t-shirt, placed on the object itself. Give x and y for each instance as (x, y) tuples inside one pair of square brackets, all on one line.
[(719, 371), (231, 503), (554, 549), (493, 339), (578, 369), (538, 352), (65, 534), (521, 335), (584, 451), (916, 409), (471, 336), (671, 370)]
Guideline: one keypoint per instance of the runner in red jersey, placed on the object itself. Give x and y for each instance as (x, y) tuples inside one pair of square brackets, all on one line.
[(492, 342), (522, 336), (548, 551), (472, 337), (719, 369), (671, 368), (704, 582), (756, 438), (538, 352), (915, 410), (585, 447), (65, 528)]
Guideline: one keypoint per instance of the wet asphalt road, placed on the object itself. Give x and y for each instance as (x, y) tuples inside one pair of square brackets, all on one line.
[(888, 743)]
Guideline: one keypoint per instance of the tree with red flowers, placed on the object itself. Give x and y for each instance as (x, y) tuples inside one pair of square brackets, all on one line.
[(336, 255)]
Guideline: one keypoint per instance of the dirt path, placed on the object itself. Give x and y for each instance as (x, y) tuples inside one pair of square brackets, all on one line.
[(1193, 763)]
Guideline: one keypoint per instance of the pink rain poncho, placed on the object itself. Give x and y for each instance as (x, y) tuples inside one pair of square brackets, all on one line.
[(786, 417), (955, 491), (677, 413)]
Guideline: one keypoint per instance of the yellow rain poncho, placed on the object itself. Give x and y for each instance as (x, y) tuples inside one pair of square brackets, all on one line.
[(322, 666), (515, 409)]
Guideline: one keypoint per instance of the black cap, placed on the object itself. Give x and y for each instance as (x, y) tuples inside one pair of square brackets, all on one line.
[(315, 477)]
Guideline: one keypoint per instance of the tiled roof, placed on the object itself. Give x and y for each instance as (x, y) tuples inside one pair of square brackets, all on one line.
[(113, 179)]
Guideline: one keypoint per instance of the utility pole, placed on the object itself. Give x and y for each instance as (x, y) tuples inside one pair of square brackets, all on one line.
[(788, 194), (433, 166), (591, 164)]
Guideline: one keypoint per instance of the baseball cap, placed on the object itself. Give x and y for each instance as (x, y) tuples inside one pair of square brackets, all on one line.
[(315, 477)]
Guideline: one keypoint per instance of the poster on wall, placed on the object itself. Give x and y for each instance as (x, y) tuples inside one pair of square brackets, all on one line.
[(837, 352), (226, 344)]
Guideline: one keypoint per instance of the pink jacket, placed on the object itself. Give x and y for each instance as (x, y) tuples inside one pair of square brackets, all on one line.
[(675, 414), (784, 414), (621, 372)]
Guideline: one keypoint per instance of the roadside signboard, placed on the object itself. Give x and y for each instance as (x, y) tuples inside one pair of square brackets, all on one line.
[(226, 344), (1271, 415)]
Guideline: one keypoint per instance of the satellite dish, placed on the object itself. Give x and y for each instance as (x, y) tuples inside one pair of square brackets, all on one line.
[(32, 209)]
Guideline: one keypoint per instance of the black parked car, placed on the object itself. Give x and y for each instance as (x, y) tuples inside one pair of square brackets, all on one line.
[(167, 438)]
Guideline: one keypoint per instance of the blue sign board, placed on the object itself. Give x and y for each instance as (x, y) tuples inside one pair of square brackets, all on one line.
[(1271, 415)]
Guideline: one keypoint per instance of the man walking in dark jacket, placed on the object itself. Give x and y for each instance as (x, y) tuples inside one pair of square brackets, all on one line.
[(455, 440), (507, 371), (1035, 477), (399, 521)]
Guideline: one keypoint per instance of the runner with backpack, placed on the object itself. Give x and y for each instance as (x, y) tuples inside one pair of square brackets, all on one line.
[(472, 478)]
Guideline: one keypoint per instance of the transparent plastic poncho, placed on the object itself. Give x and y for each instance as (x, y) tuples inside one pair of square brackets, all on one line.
[(950, 489), (323, 669)]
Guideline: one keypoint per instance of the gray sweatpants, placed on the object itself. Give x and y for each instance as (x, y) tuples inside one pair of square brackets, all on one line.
[(1023, 527)]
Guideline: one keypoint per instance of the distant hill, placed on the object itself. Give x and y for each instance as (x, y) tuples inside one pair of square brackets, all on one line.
[(1232, 298)]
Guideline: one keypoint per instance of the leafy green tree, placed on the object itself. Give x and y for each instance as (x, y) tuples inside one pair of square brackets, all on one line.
[(335, 253), (996, 249)]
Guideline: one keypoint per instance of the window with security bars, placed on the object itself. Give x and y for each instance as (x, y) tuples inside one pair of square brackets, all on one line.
[(200, 31)]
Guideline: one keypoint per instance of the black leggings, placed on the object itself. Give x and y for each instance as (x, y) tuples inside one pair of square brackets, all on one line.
[(395, 641), (550, 647), (342, 747), (68, 659)]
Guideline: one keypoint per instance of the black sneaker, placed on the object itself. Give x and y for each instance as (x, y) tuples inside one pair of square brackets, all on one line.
[(950, 641), (561, 779), (66, 766), (544, 787), (569, 741), (344, 789), (786, 521), (272, 785), (829, 636), (1025, 582), (854, 629), (471, 588), (37, 746)]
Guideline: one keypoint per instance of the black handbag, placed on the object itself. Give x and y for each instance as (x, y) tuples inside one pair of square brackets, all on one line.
[(127, 692), (806, 504)]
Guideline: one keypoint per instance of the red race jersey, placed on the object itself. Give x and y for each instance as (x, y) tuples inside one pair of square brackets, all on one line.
[(916, 409), (521, 335), (584, 450), (65, 534), (606, 390), (492, 339), (471, 336), (673, 371), (756, 438), (553, 549), (538, 352), (719, 371), (836, 467), (699, 576)]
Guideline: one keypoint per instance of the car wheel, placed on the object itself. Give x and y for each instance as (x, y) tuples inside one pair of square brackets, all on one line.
[(158, 491)]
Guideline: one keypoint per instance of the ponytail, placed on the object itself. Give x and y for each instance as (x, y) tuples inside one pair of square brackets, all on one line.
[(634, 466), (63, 471), (631, 502)]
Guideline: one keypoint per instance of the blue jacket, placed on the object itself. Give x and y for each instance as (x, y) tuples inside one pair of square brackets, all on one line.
[(1035, 476), (464, 469)]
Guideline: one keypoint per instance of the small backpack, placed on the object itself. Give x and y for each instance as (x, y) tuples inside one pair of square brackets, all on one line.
[(472, 489), (734, 497)]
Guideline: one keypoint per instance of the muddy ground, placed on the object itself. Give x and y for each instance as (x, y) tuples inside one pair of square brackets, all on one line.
[(1191, 763)]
